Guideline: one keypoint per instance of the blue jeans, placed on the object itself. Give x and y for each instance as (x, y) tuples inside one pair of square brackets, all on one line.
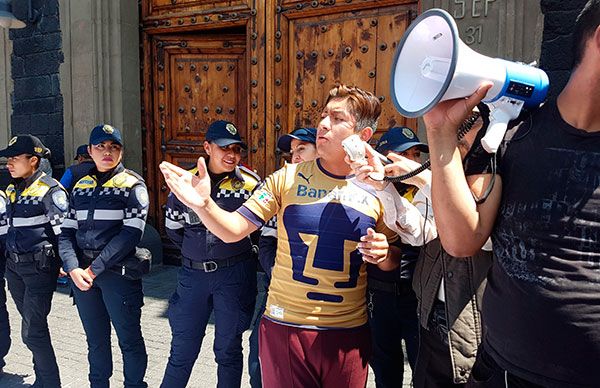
[(115, 299), (261, 302), (392, 318), (230, 292)]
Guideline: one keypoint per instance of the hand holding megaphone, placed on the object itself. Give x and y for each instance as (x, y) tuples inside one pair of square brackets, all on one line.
[(450, 114)]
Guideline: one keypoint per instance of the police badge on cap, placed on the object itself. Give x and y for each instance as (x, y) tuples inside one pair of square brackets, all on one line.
[(224, 133), (104, 132)]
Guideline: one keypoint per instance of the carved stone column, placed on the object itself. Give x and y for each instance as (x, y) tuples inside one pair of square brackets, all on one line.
[(100, 76)]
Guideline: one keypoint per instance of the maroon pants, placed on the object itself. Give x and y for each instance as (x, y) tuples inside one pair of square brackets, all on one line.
[(305, 358)]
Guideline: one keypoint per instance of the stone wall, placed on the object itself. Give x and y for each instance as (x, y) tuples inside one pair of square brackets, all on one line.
[(6, 88), (556, 58), (37, 102)]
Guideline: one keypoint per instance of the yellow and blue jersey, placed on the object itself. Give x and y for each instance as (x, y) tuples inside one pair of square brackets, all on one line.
[(188, 233), (34, 211), (319, 277), (106, 216)]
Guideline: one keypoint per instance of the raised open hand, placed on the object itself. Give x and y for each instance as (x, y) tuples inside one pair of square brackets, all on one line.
[(192, 190)]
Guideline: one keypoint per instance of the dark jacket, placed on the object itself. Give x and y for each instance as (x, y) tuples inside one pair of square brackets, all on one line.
[(464, 283), (35, 209), (186, 230), (107, 216)]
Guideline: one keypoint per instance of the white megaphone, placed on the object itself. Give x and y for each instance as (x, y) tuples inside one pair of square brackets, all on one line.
[(432, 64)]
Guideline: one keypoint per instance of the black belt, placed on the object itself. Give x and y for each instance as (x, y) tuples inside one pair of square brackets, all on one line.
[(213, 265), (397, 288), (27, 257)]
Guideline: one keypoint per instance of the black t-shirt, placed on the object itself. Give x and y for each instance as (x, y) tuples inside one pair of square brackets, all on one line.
[(541, 307)]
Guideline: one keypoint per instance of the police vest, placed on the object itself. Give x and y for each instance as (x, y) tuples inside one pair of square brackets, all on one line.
[(34, 214), (105, 218)]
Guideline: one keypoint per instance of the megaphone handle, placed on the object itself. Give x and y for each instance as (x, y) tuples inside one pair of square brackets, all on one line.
[(501, 112), (494, 135)]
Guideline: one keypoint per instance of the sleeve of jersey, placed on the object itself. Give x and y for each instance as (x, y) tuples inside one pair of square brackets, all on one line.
[(174, 220), (125, 241), (266, 199), (67, 241)]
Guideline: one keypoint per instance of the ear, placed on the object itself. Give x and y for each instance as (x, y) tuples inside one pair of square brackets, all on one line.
[(206, 146), (34, 160), (366, 133), (89, 148)]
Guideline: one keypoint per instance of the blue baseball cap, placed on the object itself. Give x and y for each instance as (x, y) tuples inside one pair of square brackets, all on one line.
[(399, 139), (82, 150), (308, 135), (104, 132), (224, 133)]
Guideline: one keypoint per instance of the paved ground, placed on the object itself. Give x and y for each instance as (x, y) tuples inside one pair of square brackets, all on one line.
[(69, 341)]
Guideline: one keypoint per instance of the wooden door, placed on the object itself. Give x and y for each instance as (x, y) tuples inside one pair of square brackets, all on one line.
[(314, 50), (266, 65), (199, 78)]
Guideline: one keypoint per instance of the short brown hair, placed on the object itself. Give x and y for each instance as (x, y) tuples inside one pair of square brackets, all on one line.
[(364, 106)]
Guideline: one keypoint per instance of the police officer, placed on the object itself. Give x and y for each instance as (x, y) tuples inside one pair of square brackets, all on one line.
[(107, 215), (391, 301), (36, 207), (4, 322), (215, 276), (79, 170)]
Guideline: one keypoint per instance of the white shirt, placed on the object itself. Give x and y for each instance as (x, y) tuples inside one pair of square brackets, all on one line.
[(413, 222)]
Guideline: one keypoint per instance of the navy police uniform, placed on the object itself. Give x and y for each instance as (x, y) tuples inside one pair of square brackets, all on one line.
[(75, 173), (215, 276), (35, 209), (391, 300), (105, 222), (4, 322), (79, 170)]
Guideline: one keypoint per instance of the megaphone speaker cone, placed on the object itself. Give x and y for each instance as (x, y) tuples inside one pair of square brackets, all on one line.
[(424, 63)]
